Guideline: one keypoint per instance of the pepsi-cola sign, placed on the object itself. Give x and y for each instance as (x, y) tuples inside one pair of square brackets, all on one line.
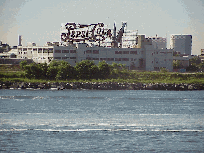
[(81, 32)]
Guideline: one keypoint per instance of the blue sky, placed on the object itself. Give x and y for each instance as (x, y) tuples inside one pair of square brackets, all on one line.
[(39, 21)]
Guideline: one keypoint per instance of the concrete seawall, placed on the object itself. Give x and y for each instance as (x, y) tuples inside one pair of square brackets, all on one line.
[(101, 86)]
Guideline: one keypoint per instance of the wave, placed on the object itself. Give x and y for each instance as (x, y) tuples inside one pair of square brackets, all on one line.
[(86, 130)]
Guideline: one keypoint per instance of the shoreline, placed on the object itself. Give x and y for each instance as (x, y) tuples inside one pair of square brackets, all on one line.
[(102, 86)]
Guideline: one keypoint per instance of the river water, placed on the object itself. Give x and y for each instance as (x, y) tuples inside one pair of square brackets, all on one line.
[(101, 121)]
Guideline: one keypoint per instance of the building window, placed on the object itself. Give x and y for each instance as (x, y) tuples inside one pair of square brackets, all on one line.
[(95, 51), (125, 59), (57, 57), (72, 57), (125, 52), (110, 59), (50, 50), (39, 50), (88, 51), (118, 52), (24, 49), (133, 52), (57, 51), (117, 59), (65, 51), (95, 58), (72, 51), (65, 57), (101, 59), (45, 50)]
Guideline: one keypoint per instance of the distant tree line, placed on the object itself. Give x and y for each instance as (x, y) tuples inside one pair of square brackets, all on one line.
[(195, 65), (62, 70)]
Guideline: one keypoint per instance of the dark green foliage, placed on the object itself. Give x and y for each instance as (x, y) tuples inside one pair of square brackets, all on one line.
[(201, 66), (195, 61), (192, 68), (104, 70), (177, 64), (65, 71), (36, 71), (86, 70), (23, 64), (118, 71), (53, 70), (59, 70)]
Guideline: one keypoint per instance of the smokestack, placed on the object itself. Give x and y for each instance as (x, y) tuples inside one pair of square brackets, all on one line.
[(19, 40)]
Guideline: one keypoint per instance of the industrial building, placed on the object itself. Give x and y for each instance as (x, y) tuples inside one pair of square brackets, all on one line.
[(79, 45)]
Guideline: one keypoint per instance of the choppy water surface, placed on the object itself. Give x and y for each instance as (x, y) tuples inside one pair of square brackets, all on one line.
[(101, 121)]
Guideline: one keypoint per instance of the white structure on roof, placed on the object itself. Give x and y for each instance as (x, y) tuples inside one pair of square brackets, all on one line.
[(181, 43)]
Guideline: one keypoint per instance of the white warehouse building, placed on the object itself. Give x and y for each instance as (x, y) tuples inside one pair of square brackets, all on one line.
[(143, 57)]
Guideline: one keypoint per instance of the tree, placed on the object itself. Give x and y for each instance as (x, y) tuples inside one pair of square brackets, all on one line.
[(195, 60), (36, 71), (118, 66), (86, 69), (177, 64), (65, 71), (53, 69), (104, 69), (42, 69), (31, 71), (201, 66), (192, 68), (23, 64)]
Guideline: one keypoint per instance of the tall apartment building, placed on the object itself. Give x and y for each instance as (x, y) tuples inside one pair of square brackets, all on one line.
[(181, 43)]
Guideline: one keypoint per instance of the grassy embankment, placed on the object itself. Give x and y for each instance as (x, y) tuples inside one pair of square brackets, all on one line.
[(15, 74)]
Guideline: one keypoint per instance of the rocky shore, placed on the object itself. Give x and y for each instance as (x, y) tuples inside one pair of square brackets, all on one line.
[(101, 86)]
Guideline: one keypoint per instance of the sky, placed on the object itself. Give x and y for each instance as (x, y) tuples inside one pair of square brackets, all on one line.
[(39, 21)]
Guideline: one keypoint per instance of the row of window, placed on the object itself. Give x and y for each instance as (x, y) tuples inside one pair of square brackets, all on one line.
[(65, 51), (64, 57), (23, 52), (34, 49), (125, 52), (94, 51), (111, 59), (116, 52)]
